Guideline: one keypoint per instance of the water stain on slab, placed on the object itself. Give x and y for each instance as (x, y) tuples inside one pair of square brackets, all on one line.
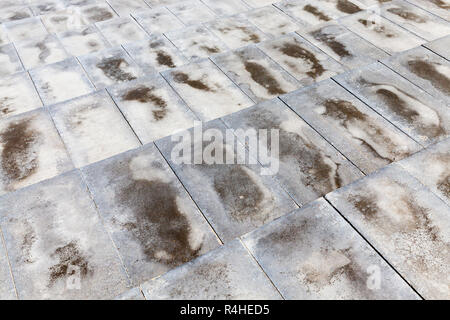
[(19, 161), (298, 52), (160, 226), (45, 51), (316, 12), (347, 7), (330, 40), (428, 71), (71, 262), (112, 68), (441, 4), (377, 28), (182, 77), (263, 77), (407, 15), (98, 14), (145, 94)]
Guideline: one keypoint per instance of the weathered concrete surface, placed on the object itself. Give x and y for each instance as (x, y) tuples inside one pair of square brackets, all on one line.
[(437, 7), (7, 291), (122, 30), (152, 108), (357, 131), (228, 273), (440, 47), (191, 12), (9, 60), (133, 294), (205, 88), (151, 218), (272, 21), (56, 244), (83, 41), (255, 73), (314, 253), (92, 128), (127, 7), (30, 151), (309, 166), (235, 198), (25, 29), (226, 7), (405, 222), (158, 20), (411, 109), (61, 81)]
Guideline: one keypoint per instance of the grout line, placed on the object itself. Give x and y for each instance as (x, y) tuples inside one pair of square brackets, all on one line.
[(261, 267), (373, 247), (9, 262)]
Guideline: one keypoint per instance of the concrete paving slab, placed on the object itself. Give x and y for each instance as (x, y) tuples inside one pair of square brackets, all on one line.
[(45, 6), (3, 35), (272, 21), (83, 41), (205, 88), (9, 60), (31, 151), (437, 7), (302, 60), (25, 29), (133, 294), (152, 108), (57, 246), (362, 135), (110, 66), (235, 198), (440, 46), (226, 7), (92, 128), (40, 51), (236, 31), (61, 81), (122, 30), (196, 42), (15, 13), (155, 54), (7, 291), (411, 109), (313, 12), (17, 95), (64, 20), (228, 273), (126, 7), (405, 222), (259, 3), (416, 20), (381, 32), (330, 260), (191, 12), (255, 73), (97, 12), (342, 45), (309, 167), (425, 69), (432, 168), (158, 20), (150, 216)]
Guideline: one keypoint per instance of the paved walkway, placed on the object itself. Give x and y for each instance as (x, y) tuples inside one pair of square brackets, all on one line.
[(93, 205)]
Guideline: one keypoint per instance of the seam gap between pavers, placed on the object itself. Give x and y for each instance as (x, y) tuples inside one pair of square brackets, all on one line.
[(94, 87), (260, 267), (410, 81), (102, 222), (124, 117), (190, 196), (373, 247), (425, 45), (327, 141), (379, 113), (9, 263)]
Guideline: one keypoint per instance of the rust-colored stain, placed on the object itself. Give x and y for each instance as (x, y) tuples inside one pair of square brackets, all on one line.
[(145, 94), (182, 77), (316, 12), (428, 71), (262, 76), (330, 40), (347, 7), (407, 15), (295, 51), (112, 68)]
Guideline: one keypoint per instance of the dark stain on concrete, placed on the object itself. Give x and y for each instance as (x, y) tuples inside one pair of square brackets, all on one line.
[(330, 40), (164, 59), (316, 12), (238, 192), (112, 68), (159, 224), (71, 261), (145, 94), (27, 242), (262, 76), (97, 14), (443, 185), (407, 15), (428, 71), (19, 161), (45, 51), (441, 4), (182, 77), (251, 36), (377, 28), (295, 51), (210, 50), (347, 7)]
